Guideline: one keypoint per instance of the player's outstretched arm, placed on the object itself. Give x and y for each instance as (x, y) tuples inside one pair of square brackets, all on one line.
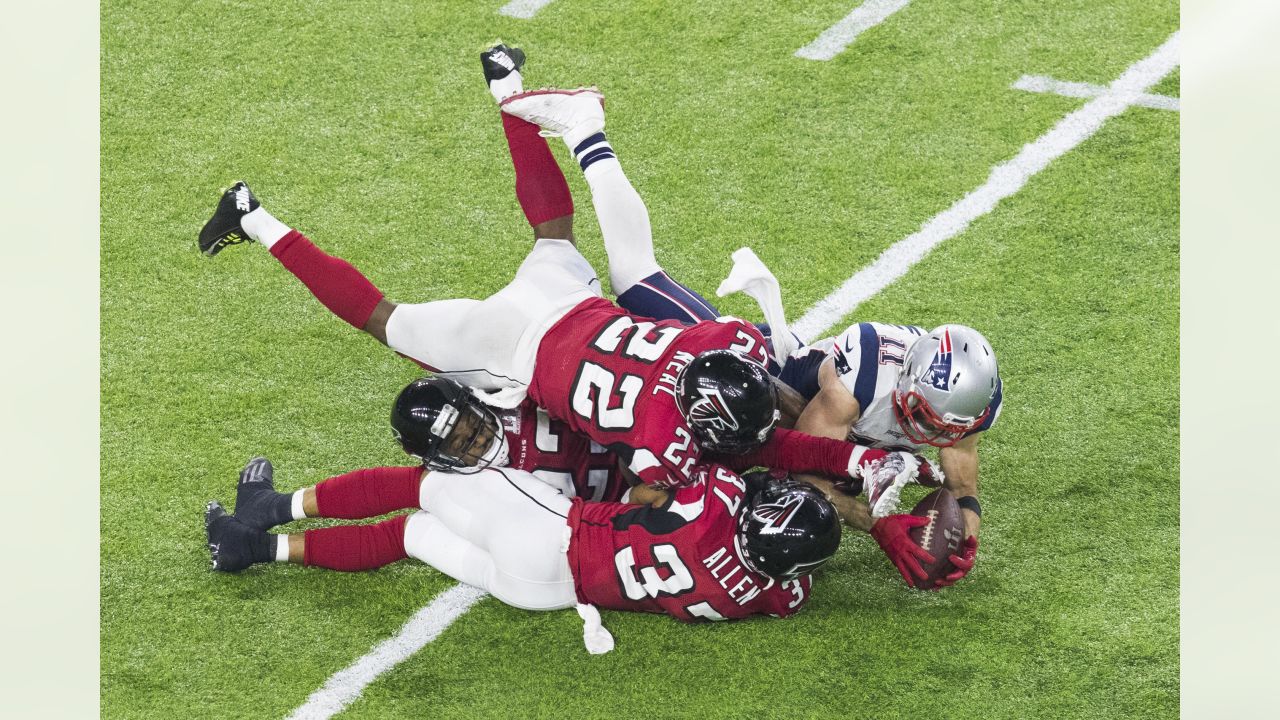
[(854, 512), (960, 465)]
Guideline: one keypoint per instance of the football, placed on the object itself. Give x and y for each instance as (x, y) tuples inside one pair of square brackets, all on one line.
[(941, 537)]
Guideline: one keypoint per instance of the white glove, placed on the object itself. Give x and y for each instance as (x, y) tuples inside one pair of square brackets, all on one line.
[(884, 479)]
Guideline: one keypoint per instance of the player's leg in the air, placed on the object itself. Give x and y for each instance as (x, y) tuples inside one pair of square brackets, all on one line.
[(541, 187), (640, 284), (487, 344)]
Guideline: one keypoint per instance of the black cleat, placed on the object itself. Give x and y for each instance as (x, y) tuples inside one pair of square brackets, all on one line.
[(258, 505), (500, 61), (233, 546), (223, 228)]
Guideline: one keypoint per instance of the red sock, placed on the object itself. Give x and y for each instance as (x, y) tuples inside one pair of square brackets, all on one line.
[(356, 547), (540, 185), (369, 493), (334, 281)]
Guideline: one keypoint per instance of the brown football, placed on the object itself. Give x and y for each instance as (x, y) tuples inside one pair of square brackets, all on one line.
[(942, 537)]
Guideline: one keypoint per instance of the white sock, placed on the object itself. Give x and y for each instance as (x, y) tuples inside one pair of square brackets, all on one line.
[(262, 227), (296, 504), (282, 548), (510, 85), (623, 218)]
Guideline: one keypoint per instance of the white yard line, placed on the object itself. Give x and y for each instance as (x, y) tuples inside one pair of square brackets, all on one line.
[(523, 9), (347, 684), (1005, 179), (1042, 84), (836, 38)]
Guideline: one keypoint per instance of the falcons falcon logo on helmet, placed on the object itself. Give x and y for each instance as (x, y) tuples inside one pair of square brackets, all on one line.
[(712, 411), (777, 515)]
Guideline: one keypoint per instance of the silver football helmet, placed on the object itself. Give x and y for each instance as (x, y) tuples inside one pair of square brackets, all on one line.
[(947, 382)]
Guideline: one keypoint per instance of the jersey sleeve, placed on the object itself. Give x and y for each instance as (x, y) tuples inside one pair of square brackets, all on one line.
[(795, 451), (856, 354)]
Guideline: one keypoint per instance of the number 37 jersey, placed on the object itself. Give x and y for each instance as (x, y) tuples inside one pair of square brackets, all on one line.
[(612, 378), (680, 559)]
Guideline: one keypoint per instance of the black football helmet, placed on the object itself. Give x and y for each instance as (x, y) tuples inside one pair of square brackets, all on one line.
[(440, 422), (728, 400), (788, 530)]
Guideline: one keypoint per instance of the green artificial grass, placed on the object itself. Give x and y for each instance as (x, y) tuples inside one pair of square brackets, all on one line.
[(368, 127)]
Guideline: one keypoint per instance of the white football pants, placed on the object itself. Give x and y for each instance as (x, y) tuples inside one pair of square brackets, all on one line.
[(624, 224), (490, 345), (501, 530)]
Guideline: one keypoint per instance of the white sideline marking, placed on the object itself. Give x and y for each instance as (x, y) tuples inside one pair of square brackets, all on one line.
[(836, 38), (1042, 84), (1005, 179), (347, 684), (523, 9)]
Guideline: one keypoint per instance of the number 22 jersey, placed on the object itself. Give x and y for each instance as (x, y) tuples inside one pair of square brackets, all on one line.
[(680, 559), (612, 377)]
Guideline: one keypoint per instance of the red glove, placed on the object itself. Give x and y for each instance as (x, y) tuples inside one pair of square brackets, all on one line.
[(963, 562), (891, 533)]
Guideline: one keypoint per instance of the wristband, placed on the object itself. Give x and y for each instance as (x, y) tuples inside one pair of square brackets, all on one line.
[(970, 502)]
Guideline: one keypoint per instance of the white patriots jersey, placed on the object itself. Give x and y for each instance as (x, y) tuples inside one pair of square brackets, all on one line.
[(868, 359)]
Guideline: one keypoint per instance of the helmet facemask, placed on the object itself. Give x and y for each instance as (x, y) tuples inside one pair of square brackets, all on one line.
[(921, 422), (471, 439)]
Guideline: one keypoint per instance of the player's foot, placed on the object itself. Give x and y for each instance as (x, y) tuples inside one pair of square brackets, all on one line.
[(258, 505), (574, 115), (884, 481), (233, 546), (224, 227), (502, 70)]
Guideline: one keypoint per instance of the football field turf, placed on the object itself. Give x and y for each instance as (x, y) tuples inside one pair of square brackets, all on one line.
[(368, 127)]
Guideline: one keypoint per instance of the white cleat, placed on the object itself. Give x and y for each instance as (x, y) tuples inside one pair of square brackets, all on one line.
[(884, 480), (572, 114)]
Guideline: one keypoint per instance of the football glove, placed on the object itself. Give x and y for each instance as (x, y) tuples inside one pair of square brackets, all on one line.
[(891, 534), (963, 562), (867, 460)]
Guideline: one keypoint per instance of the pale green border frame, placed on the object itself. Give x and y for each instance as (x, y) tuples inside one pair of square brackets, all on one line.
[(49, 662), (1230, 341)]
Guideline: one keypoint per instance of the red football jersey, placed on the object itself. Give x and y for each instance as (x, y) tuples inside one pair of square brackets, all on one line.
[(549, 449), (681, 559), (612, 377)]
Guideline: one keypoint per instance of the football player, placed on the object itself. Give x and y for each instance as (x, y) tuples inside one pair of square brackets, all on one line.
[(715, 549), (904, 388)]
